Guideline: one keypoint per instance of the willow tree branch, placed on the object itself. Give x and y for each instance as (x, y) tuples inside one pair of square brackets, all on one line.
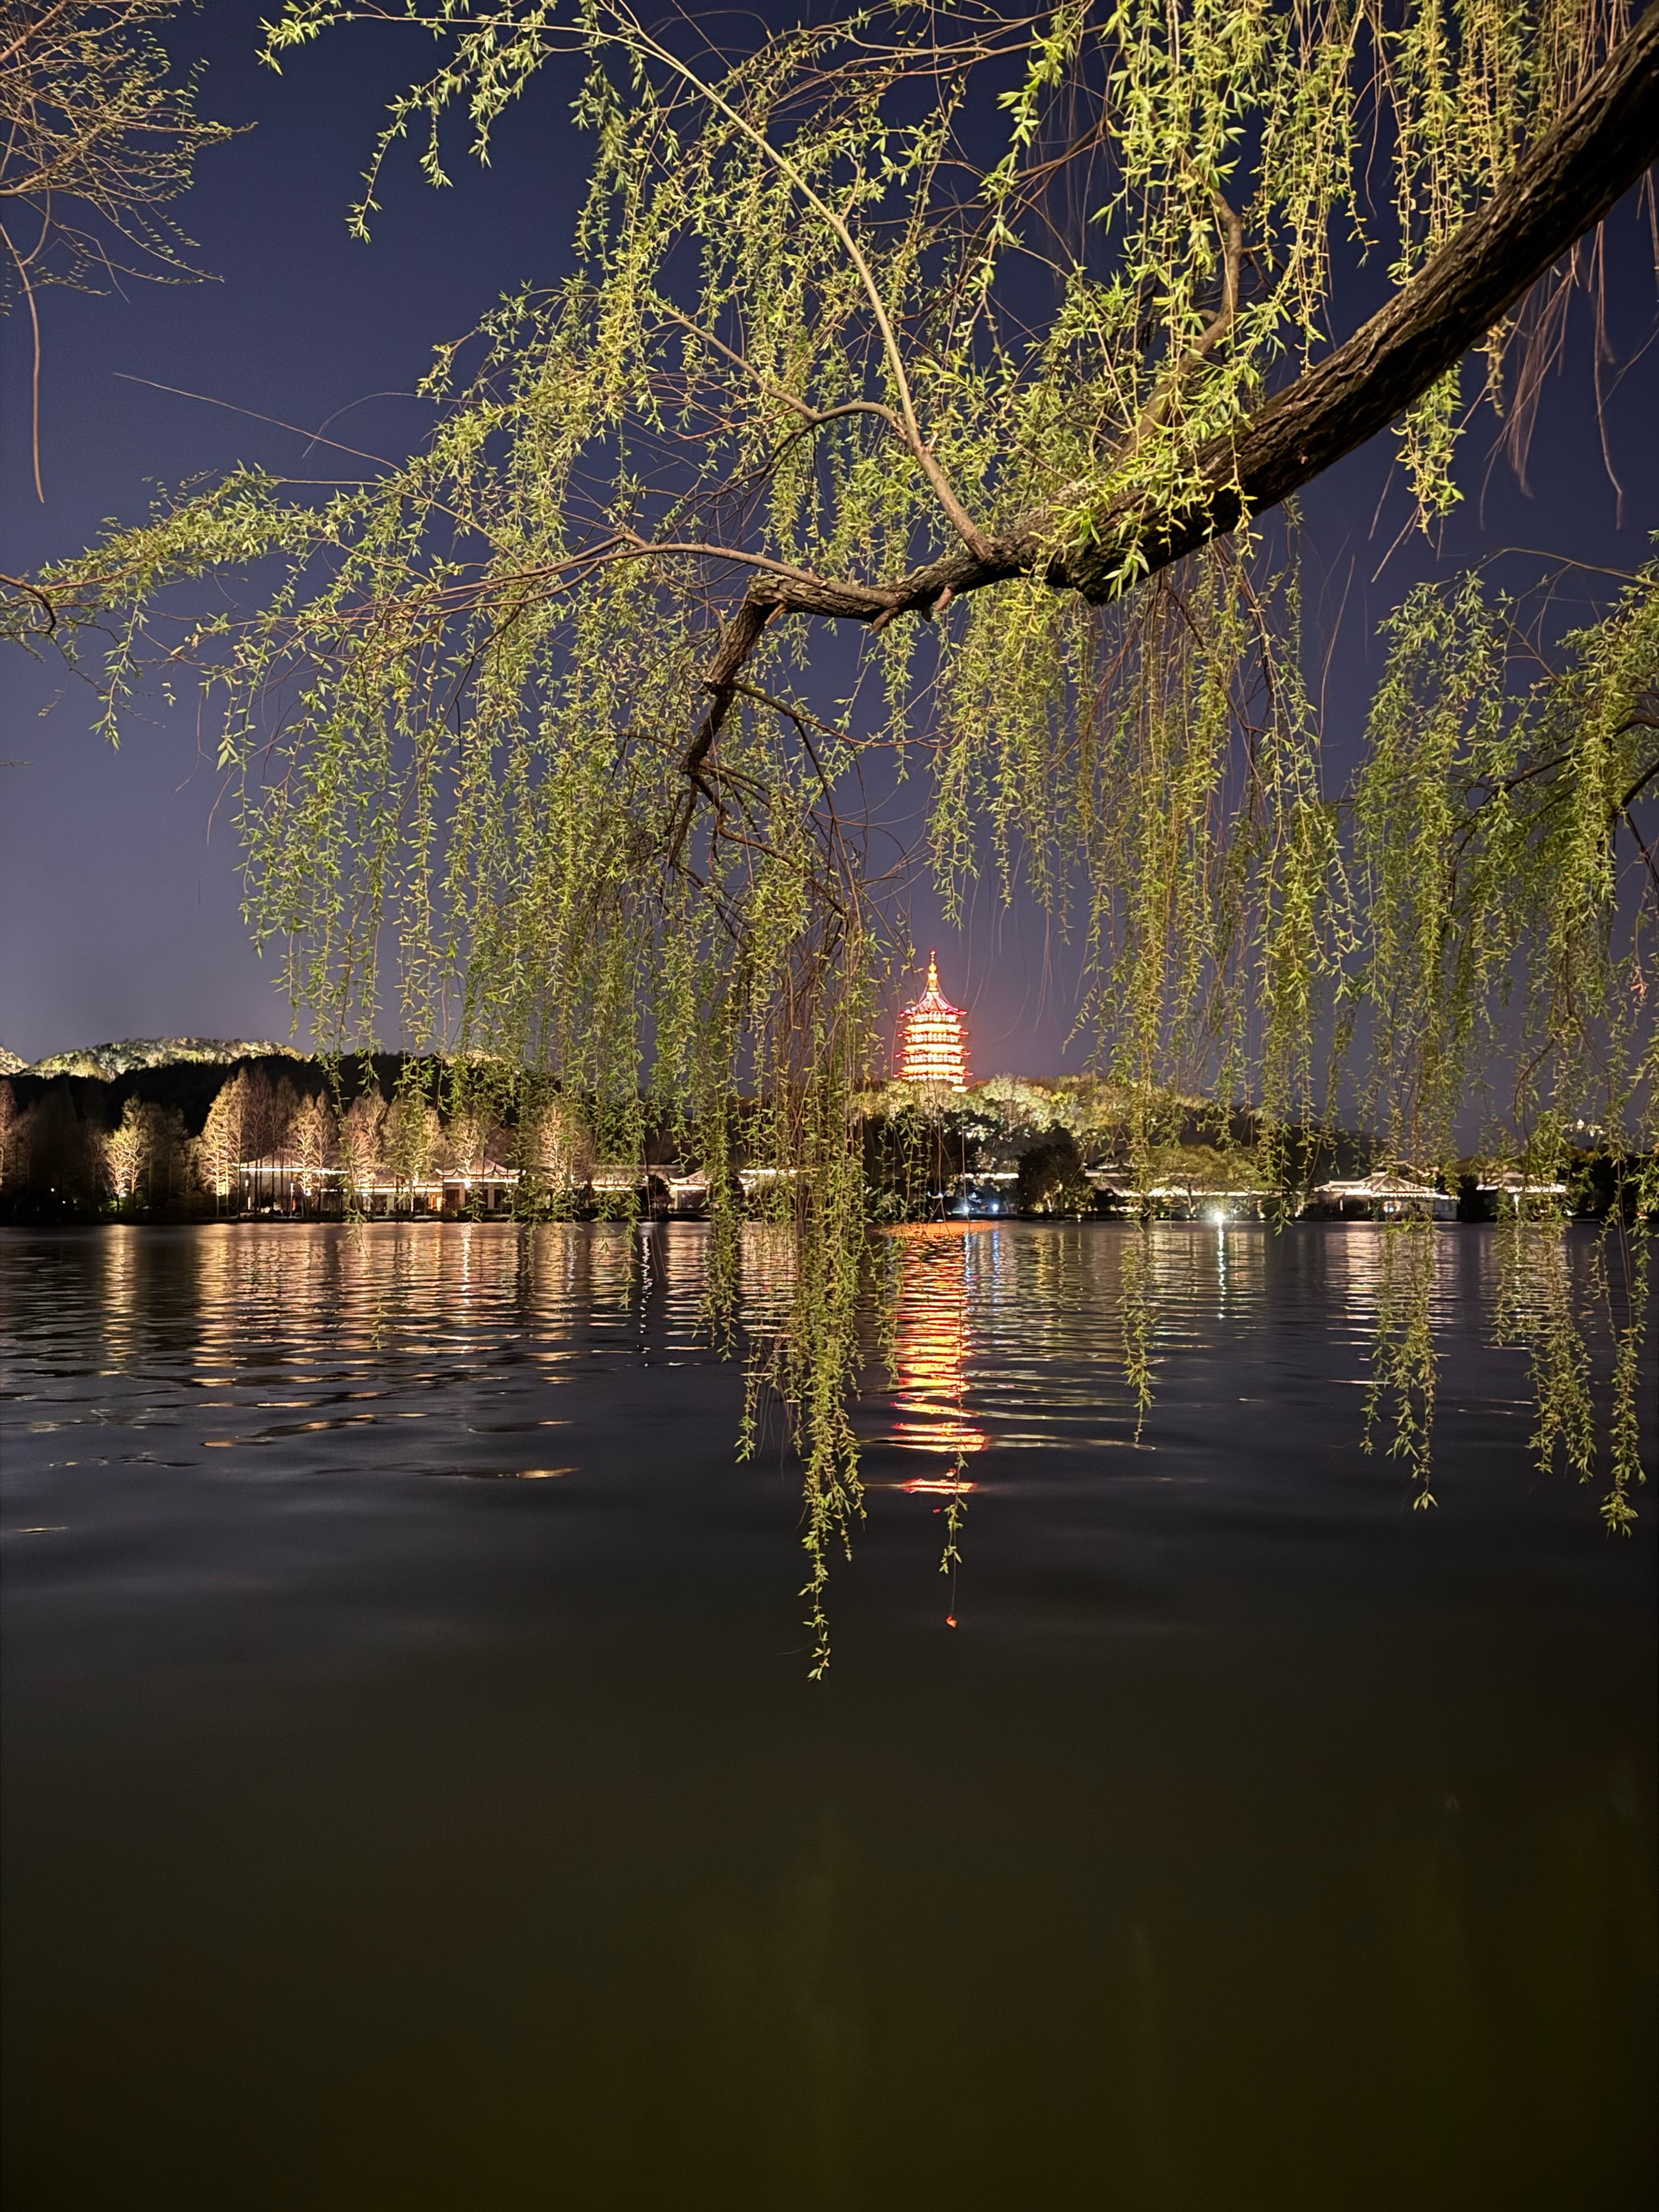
[(1232, 262), (635, 36), (813, 417), (1561, 188), (20, 263)]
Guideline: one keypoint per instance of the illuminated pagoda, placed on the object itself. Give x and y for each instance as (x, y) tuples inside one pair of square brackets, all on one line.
[(933, 1038)]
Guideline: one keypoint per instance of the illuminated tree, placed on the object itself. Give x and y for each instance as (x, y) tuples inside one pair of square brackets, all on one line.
[(126, 1151), (146, 1154), (362, 1141), (312, 1141), (222, 1145), (550, 1151)]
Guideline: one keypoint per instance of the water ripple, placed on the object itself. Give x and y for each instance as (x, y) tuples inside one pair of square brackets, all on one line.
[(1006, 1335)]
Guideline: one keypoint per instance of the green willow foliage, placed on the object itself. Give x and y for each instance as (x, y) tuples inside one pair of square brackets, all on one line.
[(1488, 821), (853, 293), (1487, 828)]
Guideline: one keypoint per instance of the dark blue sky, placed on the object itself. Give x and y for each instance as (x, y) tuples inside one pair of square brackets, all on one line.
[(118, 886)]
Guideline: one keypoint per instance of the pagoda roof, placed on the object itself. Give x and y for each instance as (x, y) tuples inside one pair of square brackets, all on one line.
[(932, 999)]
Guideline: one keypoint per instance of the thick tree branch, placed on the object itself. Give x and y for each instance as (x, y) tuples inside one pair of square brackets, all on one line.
[(1560, 189)]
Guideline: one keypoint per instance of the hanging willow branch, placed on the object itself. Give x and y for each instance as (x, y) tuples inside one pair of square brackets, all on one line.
[(1565, 185), (1012, 323)]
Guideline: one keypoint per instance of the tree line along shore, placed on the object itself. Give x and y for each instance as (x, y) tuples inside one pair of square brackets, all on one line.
[(129, 1133)]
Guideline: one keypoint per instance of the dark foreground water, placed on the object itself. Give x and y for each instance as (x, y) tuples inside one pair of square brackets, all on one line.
[(387, 1828)]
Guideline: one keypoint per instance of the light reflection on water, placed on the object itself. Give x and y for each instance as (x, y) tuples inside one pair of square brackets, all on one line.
[(1013, 1338), (1002, 1336), (1257, 1844)]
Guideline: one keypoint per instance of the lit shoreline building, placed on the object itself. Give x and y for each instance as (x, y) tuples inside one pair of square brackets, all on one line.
[(933, 1038)]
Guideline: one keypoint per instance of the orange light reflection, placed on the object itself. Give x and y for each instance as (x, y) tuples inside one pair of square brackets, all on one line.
[(930, 1362)]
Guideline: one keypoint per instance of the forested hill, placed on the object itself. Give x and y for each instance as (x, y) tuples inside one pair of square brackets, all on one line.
[(101, 1078), (128, 1055)]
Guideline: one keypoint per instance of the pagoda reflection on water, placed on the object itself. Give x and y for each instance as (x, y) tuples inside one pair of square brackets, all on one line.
[(933, 1038), (931, 1351)]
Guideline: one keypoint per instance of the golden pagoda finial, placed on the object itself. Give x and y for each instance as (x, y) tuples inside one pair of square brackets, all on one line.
[(933, 971)]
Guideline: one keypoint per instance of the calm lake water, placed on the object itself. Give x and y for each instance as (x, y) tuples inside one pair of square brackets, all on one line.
[(415, 1797)]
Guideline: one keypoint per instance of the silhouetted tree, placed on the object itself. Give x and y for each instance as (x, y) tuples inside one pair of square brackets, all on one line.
[(10, 1117), (1051, 1178), (61, 1153)]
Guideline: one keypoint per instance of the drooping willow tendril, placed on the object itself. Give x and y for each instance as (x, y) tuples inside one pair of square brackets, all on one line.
[(527, 774)]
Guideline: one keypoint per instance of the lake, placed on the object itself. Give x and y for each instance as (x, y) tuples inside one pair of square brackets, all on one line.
[(415, 1797)]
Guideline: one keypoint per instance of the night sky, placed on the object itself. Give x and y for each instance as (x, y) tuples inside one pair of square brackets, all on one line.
[(119, 888)]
